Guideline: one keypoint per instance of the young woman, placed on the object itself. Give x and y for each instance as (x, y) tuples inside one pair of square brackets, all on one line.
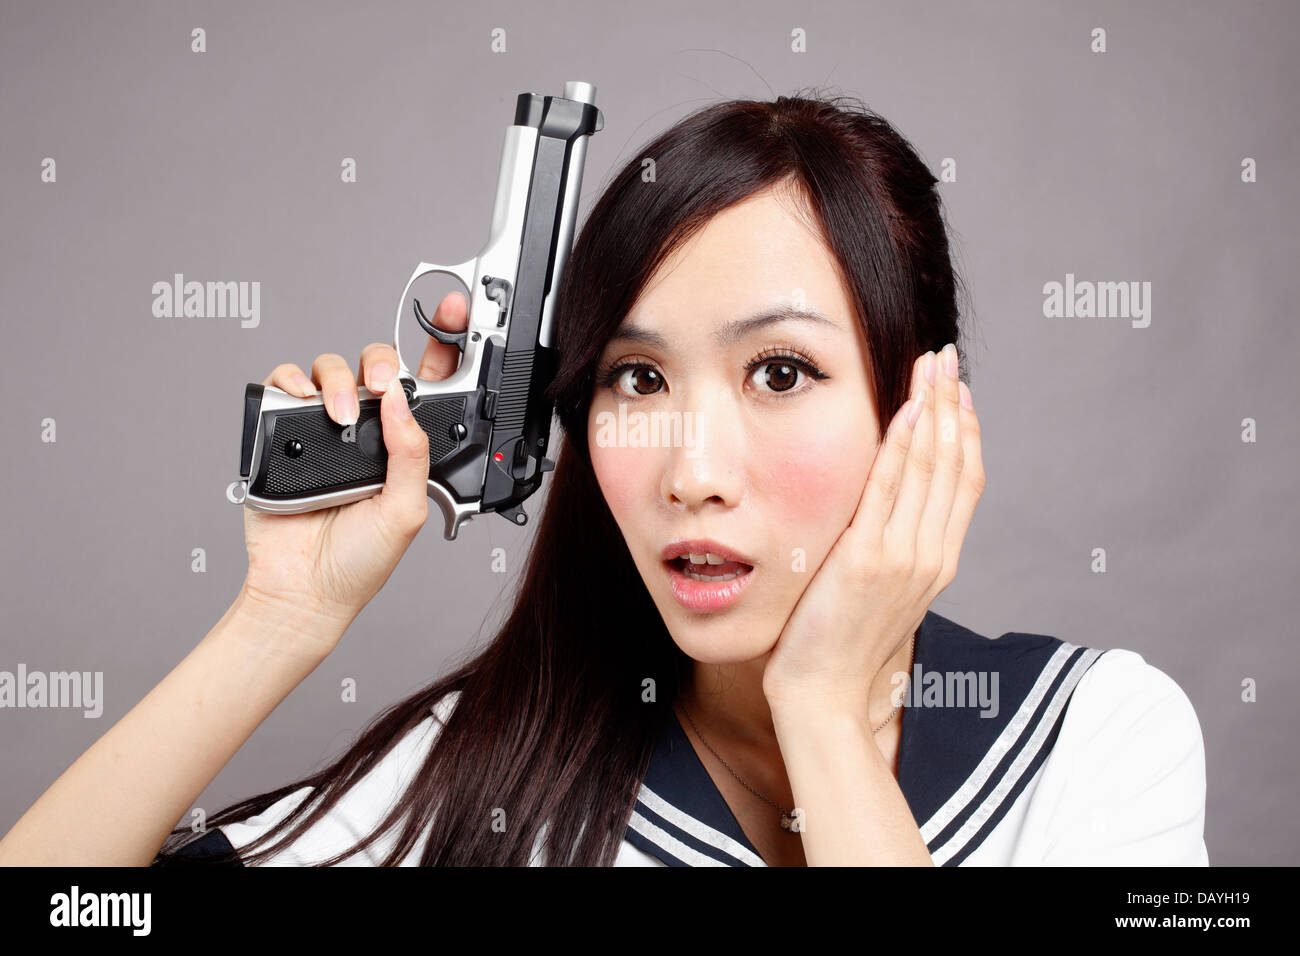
[(722, 651)]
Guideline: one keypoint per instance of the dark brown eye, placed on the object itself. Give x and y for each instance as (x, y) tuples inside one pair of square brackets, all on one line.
[(777, 376), (643, 379)]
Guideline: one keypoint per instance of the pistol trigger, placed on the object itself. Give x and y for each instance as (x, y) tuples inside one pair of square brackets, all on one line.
[(442, 335)]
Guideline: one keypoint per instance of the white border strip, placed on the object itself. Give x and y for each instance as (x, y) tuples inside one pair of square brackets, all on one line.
[(1017, 769), (701, 831), (1010, 735), (665, 841)]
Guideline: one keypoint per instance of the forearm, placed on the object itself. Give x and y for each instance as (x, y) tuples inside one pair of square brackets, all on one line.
[(854, 814), (117, 803)]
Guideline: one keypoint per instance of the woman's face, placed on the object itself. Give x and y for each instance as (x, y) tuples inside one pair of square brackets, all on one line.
[(750, 448)]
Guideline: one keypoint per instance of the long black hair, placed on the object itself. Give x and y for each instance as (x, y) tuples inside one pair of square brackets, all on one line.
[(557, 716)]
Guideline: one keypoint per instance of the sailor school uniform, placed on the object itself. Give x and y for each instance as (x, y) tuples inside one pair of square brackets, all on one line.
[(1024, 750)]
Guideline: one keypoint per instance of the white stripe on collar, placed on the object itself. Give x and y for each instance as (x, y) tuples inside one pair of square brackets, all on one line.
[(1032, 749), (664, 840), (965, 773), (1013, 731), (701, 831)]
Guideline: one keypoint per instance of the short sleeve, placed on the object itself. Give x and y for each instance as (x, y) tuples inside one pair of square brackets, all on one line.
[(1125, 784), (353, 817)]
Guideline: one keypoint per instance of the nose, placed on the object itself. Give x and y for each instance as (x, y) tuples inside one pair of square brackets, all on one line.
[(707, 465)]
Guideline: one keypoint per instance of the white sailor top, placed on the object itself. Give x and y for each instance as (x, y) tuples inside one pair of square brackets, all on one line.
[(1070, 756)]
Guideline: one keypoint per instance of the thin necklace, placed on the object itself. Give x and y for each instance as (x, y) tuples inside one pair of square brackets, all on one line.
[(787, 820)]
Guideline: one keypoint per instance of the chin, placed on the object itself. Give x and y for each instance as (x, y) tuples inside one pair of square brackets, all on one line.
[(734, 635), (720, 642)]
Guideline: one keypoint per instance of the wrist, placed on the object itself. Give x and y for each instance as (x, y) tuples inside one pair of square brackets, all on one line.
[(807, 714), (811, 704), (812, 739), (261, 619)]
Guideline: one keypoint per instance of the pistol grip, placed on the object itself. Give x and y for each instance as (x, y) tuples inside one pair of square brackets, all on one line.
[(296, 458)]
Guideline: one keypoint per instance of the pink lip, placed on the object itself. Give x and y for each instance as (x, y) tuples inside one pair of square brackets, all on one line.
[(700, 546), (702, 595)]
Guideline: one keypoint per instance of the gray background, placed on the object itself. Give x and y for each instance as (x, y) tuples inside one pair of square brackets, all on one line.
[(1122, 166)]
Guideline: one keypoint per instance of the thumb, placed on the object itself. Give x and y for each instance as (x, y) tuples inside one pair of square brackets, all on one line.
[(404, 501)]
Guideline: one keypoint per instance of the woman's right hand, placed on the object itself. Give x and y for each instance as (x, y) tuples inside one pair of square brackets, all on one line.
[(322, 567)]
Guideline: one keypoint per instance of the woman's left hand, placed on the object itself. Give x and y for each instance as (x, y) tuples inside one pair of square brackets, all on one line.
[(899, 551)]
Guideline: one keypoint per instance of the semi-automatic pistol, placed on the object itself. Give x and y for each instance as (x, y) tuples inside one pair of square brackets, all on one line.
[(489, 421)]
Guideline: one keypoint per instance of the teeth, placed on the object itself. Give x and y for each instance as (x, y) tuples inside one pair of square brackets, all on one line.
[(708, 557), (701, 561), (711, 578)]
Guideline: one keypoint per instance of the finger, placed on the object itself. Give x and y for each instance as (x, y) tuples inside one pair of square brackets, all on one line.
[(969, 488), (932, 530), (439, 360), (886, 474), (378, 364), (338, 386), (403, 502), (291, 379), (918, 470)]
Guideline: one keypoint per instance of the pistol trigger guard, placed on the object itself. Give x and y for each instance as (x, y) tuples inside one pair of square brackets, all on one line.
[(465, 273)]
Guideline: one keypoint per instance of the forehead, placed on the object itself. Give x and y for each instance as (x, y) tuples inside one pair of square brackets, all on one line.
[(764, 252)]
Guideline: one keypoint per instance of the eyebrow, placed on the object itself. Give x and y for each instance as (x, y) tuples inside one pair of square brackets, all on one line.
[(733, 331)]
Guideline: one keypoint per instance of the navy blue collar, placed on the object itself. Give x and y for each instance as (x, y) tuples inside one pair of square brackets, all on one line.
[(960, 766)]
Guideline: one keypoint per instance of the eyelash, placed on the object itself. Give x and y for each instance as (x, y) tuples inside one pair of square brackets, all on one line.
[(607, 376)]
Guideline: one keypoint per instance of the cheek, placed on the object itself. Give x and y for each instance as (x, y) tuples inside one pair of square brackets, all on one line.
[(623, 474), (816, 476)]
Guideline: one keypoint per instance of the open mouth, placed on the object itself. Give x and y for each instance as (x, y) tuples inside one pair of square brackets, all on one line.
[(708, 586), (709, 572)]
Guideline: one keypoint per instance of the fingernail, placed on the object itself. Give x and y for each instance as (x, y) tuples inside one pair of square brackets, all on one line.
[(929, 366), (950, 360), (379, 376), (402, 409), (966, 401), (345, 408), (914, 410), (302, 382)]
